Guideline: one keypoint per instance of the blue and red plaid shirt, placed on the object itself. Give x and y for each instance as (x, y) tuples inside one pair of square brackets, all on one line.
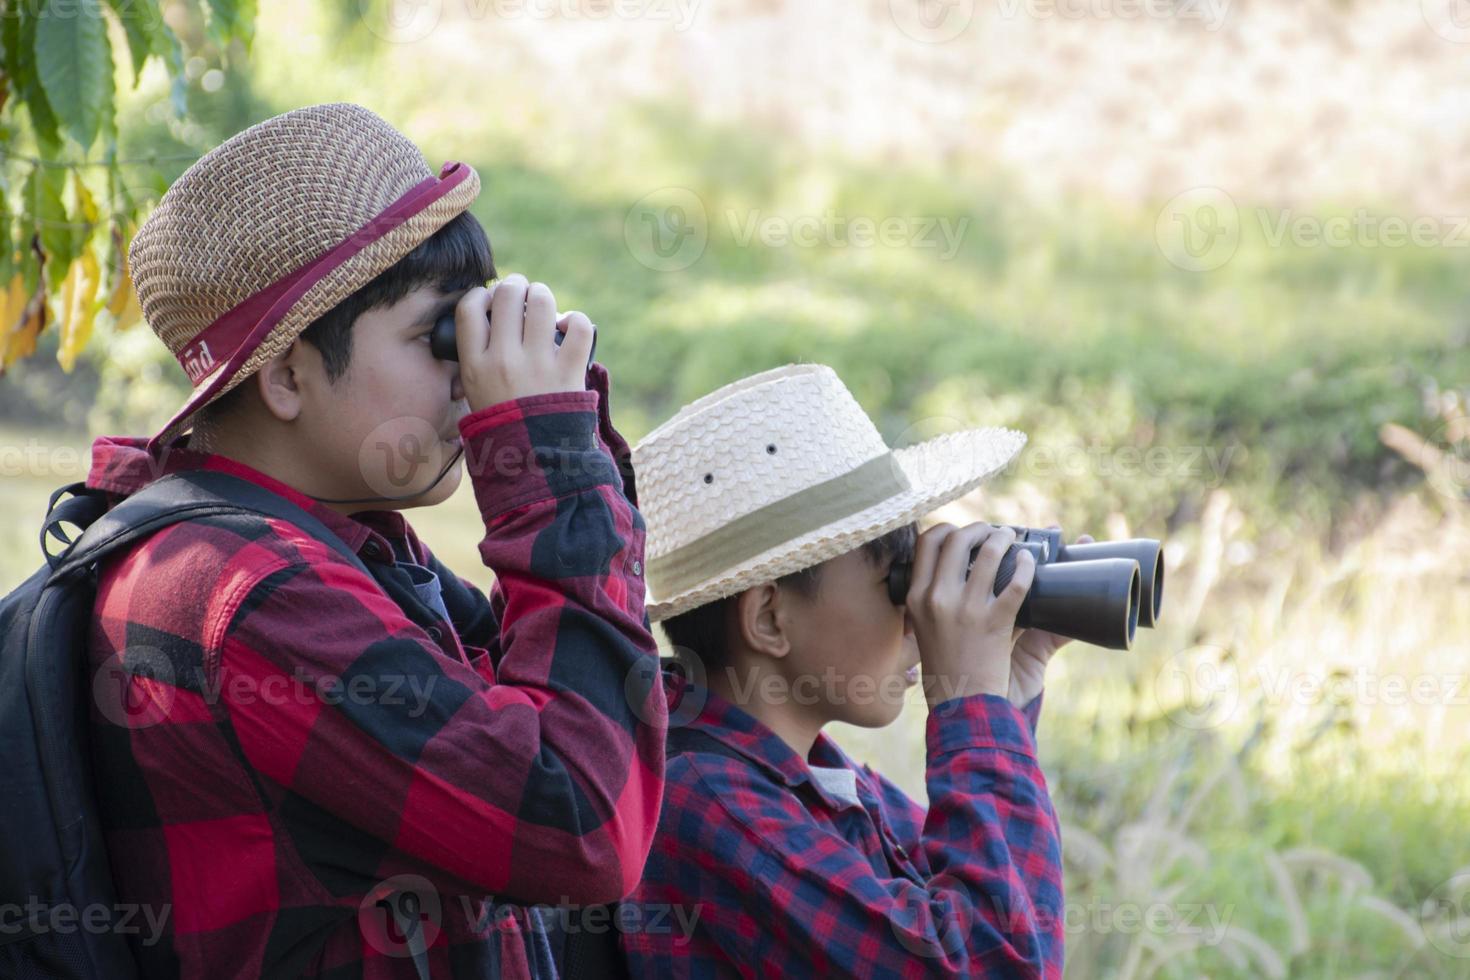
[(768, 865), (294, 739)]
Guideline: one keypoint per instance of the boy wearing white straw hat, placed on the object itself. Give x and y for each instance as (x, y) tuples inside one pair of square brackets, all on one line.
[(326, 754), (775, 514)]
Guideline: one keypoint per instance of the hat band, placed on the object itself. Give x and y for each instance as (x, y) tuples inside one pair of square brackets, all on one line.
[(241, 328), (879, 479)]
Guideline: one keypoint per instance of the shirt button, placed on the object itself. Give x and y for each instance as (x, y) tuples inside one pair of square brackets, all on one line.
[(436, 633), (637, 567), (370, 549)]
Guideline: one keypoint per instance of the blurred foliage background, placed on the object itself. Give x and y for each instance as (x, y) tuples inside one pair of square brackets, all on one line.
[(1166, 240)]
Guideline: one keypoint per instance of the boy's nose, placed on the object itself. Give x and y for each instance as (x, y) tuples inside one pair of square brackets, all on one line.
[(456, 386)]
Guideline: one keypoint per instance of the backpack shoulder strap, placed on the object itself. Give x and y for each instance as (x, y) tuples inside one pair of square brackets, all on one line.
[(169, 500)]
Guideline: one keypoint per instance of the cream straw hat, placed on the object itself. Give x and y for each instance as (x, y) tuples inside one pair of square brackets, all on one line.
[(781, 471), (273, 228)]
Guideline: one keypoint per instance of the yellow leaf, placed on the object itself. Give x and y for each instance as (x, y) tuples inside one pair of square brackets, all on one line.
[(78, 295), (12, 306), (122, 301), (124, 305), (86, 205), (21, 341), (12, 302)]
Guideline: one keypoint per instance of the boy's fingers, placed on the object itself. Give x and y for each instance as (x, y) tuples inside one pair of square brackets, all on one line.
[(540, 329), (577, 347), (925, 553), (507, 313), (1008, 603), (954, 559), (987, 563), (471, 325)]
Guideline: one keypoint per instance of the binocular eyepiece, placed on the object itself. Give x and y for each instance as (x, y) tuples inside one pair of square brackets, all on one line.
[(443, 345), (1098, 593)]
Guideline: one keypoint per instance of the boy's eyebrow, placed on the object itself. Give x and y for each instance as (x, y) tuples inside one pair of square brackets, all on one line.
[(434, 313)]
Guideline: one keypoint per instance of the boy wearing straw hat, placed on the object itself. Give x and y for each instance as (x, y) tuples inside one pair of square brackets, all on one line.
[(775, 514), (315, 728)]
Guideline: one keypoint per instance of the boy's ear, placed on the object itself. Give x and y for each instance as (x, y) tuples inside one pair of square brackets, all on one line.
[(278, 382), (761, 620)]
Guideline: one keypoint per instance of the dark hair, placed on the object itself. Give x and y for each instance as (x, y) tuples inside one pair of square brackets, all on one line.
[(704, 631), (454, 258)]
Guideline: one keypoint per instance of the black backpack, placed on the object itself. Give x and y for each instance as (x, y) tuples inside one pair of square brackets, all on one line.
[(55, 880), (52, 854)]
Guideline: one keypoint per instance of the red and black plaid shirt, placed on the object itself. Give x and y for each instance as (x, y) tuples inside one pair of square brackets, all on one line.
[(294, 739), (770, 865)]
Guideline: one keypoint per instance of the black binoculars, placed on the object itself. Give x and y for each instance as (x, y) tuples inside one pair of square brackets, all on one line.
[(1098, 593), (444, 346)]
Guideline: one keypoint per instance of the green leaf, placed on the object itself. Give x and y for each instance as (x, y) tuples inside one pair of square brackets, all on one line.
[(229, 19), (166, 45), (221, 20), (140, 20), (20, 34), (7, 244), (30, 265), (10, 36), (117, 189), (74, 62), (48, 214)]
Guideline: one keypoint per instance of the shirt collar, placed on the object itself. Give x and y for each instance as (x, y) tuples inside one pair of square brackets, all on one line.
[(122, 465), (737, 729)]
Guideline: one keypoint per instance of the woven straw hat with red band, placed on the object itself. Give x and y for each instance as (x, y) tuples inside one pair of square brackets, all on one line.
[(273, 228)]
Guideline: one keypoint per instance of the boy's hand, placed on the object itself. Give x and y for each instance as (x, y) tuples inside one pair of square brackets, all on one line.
[(512, 353), (1033, 650), (964, 631)]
